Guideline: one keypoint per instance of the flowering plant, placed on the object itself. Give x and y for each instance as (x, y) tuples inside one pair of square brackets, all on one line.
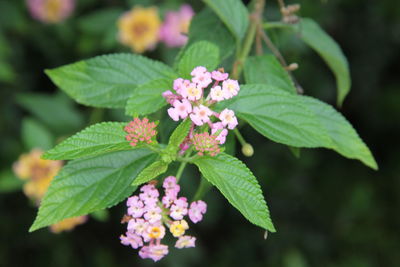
[(183, 115)]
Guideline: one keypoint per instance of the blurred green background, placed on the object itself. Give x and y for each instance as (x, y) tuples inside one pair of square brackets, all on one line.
[(328, 211)]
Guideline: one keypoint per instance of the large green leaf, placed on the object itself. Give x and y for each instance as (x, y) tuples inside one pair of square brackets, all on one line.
[(219, 35), (107, 81), (233, 13), (267, 69), (298, 121), (201, 53), (35, 135), (96, 139), (314, 36), (148, 98), (89, 184), (239, 186), (151, 172)]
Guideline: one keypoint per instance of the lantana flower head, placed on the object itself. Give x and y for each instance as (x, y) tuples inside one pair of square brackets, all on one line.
[(153, 218), (139, 28), (176, 25), (194, 99), (51, 11), (140, 131)]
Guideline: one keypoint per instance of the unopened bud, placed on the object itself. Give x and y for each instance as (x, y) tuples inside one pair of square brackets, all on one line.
[(292, 67), (291, 19), (247, 150)]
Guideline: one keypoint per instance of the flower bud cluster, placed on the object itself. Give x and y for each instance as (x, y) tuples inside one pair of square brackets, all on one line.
[(140, 131), (149, 217), (194, 98)]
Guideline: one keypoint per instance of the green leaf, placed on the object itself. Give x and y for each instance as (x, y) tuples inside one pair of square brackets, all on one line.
[(220, 36), (314, 36), (266, 69), (36, 135), (107, 81), (202, 53), (94, 140), (90, 184), (178, 136), (233, 13), (55, 111), (239, 186), (9, 182), (298, 121), (151, 172), (147, 98)]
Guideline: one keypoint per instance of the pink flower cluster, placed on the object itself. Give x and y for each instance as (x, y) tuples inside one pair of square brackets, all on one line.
[(189, 100), (51, 11), (140, 131), (176, 26), (148, 218)]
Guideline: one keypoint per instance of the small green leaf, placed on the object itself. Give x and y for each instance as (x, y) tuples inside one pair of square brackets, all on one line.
[(178, 136), (314, 36), (267, 69), (330, 51), (147, 98), (9, 182), (107, 81), (233, 13), (55, 111), (238, 185), (96, 139), (36, 135), (298, 121), (90, 184), (202, 53), (220, 36), (151, 172)]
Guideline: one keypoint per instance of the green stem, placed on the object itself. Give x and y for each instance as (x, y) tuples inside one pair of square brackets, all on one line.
[(243, 52), (184, 161), (239, 137), (180, 170), (203, 188)]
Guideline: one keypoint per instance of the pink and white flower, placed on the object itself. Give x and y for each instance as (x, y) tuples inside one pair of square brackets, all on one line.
[(218, 128), (201, 114), (147, 231), (186, 241), (231, 88), (181, 109), (228, 118), (219, 76), (217, 94), (192, 92), (196, 211)]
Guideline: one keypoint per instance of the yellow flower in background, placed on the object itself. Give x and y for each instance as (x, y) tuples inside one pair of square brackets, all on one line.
[(38, 174), (139, 28), (67, 224)]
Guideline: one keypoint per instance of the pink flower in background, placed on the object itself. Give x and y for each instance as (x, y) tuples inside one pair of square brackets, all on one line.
[(175, 26), (51, 11), (186, 241), (196, 211)]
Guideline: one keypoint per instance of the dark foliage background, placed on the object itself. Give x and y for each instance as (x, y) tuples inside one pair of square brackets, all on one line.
[(329, 211)]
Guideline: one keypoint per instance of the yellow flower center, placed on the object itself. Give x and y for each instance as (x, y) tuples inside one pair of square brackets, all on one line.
[(155, 232)]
